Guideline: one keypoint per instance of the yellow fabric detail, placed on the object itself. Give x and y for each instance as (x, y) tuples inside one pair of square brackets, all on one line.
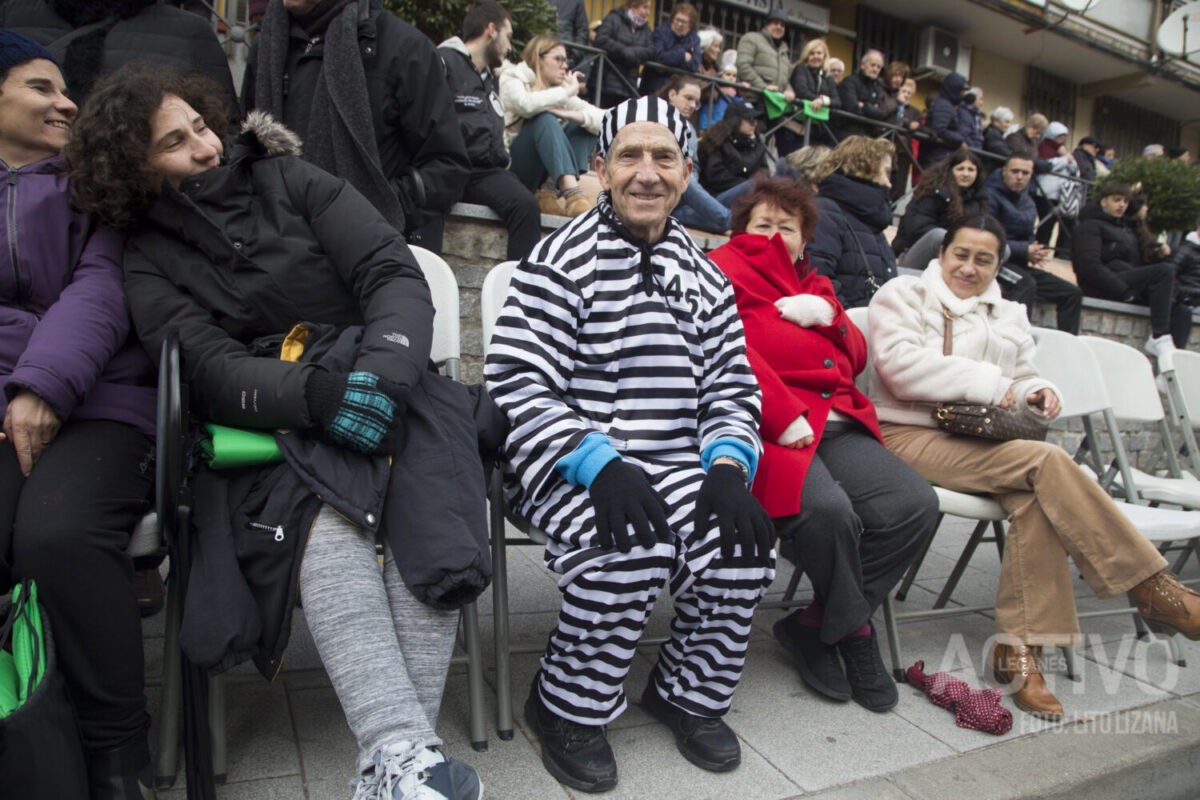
[(293, 344)]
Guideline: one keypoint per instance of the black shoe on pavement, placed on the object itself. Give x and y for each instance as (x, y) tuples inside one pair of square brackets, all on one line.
[(870, 684), (707, 742), (817, 662), (577, 755)]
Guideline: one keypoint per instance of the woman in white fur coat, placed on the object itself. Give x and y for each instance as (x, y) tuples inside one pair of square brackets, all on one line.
[(1055, 509)]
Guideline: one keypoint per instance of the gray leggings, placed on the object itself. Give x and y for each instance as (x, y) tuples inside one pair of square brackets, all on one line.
[(386, 653)]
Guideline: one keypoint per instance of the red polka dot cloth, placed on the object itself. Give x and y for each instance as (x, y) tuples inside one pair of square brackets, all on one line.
[(978, 709)]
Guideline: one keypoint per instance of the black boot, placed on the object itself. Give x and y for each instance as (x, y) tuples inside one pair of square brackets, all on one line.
[(816, 661), (870, 684), (122, 773), (707, 742), (577, 755)]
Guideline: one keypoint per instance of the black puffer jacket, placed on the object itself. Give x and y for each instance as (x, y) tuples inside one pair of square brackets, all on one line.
[(809, 84), (476, 100), (154, 32), (933, 211), (848, 246), (627, 48), (736, 160), (1187, 270), (414, 121), (1103, 247), (855, 89), (993, 142), (943, 120)]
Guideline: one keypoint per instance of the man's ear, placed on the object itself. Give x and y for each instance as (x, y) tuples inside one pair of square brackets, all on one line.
[(688, 166), (602, 172)]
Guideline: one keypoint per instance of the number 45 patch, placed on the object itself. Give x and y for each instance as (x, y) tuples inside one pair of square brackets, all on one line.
[(691, 298)]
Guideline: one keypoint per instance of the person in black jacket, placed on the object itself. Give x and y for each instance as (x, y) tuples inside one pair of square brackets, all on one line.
[(247, 261), (993, 135), (942, 119), (810, 81), (486, 40), (862, 94), (92, 39), (1085, 157), (1187, 287), (949, 191), (1109, 263), (731, 153), (367, 94), (849, 247), (676, 44), (626, 37)]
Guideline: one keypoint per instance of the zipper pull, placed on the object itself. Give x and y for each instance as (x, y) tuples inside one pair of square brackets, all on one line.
[(279, 533)]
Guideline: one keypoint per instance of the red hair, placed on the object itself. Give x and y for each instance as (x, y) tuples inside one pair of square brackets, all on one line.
[(789, 195)]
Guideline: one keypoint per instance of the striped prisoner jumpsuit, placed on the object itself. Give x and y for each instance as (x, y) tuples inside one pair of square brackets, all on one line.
[(607, 340)]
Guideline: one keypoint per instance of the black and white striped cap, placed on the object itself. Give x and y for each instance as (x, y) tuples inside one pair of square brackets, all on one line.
[(643, 109)]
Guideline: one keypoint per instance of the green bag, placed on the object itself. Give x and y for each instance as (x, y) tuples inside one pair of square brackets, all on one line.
[(21, 670), (777, 107), (224, 447)]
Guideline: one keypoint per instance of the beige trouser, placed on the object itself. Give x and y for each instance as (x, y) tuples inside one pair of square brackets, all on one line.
[(1054, 509)]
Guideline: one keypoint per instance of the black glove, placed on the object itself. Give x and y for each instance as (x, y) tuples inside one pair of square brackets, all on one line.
[(740, 518), (358, 410), (622, 496)]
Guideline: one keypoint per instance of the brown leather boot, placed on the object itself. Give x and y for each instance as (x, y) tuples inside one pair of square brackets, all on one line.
[(1020, 667), (1167, 605), (578, 203), (548, 202)]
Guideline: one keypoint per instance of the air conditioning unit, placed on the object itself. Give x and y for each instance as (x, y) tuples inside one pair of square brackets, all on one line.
[(939, 53)]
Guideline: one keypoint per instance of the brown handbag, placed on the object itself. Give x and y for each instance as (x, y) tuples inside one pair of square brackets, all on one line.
[(978, 419)]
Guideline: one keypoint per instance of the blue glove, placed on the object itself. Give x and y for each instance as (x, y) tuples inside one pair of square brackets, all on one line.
[(358, 410)]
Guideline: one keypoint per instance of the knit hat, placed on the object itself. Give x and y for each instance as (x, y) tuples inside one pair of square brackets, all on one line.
[(642, 109), (17, 49), (778, 13)]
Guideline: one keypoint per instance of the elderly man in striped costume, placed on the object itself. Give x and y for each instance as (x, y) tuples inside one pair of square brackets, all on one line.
[(620, 361)]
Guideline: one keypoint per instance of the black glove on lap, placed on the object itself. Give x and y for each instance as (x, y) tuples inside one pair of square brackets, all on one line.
[(623, 496), (740, 518)]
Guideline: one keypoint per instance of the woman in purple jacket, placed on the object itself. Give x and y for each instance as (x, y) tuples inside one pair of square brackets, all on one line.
[(78, 404)]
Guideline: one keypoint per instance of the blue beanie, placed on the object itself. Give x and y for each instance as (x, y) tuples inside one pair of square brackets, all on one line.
[(17, 49)]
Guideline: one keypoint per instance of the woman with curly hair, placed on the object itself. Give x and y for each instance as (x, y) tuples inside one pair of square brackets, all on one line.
[(78, 406), (949, 191), (299, 310), (549, 129), (849, 247)]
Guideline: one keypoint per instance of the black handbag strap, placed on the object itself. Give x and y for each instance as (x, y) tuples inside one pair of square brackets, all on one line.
[(872, 284)]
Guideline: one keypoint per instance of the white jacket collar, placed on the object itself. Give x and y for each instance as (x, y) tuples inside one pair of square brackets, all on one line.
[(958, 306), (1193, 238)]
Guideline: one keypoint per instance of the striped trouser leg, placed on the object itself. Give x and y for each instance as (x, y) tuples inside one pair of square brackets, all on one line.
[(604, 610), (700, 665)]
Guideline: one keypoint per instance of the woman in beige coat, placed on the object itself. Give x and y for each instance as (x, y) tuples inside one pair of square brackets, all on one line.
[(1055, 509), (549, 129)]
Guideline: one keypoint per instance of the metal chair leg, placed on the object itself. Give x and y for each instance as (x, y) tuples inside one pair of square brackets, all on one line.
[(166, 762), (893, 638), (961, 565), (216, 724), (504, 709), (911, 575), (475, 694), (1069, 658)]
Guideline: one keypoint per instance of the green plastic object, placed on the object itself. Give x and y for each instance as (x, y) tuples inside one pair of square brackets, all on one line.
[(28, 652), (775, 104), (226, 448), (822, 115)]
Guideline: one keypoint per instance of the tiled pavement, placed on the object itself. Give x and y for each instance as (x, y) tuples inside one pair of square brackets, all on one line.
[(288, 739)]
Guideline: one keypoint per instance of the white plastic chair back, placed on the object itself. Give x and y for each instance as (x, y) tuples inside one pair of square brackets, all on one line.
[(1067, 362), (1129, 379), (1187, 376), (444, 289), (492, 297), (859, 317)]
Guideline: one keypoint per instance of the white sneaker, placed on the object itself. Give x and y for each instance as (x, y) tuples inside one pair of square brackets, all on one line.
[(1157, 345), (402, 773)]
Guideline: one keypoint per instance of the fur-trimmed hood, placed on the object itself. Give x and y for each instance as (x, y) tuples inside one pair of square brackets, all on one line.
[(264, 136)]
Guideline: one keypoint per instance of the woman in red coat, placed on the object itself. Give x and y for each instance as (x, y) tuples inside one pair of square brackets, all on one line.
[(848, 512)]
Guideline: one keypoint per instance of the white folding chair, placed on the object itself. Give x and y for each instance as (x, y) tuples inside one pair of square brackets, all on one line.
[(987, 513), (1129, 381), (1071, 363), (1181, 371)]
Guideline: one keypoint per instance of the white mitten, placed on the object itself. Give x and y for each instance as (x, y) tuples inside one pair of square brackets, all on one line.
[(806, 310), (797, 432)]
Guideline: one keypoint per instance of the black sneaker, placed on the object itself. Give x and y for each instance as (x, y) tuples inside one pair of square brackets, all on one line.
[(870, 684), (816, 661), (577, 755), (707, 742)]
